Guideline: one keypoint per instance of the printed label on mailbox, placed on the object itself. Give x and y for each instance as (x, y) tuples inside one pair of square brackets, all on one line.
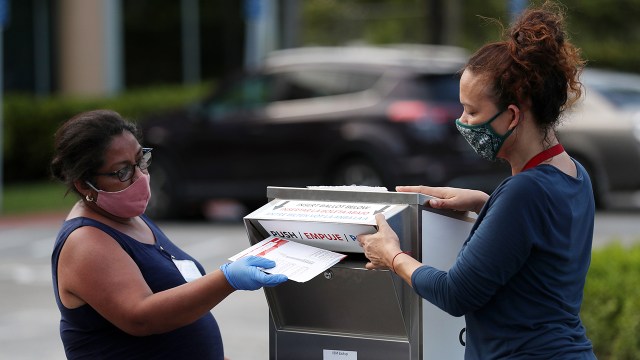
[(339, 355)]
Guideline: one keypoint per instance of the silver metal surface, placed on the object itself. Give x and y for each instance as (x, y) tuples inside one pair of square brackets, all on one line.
[(386, 197), (371, 313), (349, 308)]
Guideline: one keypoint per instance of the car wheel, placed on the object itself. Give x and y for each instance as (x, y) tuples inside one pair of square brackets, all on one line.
[(356, 172), (599, 183)]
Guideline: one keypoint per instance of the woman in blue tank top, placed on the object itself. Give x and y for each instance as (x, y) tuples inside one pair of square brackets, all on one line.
[(519, 278), (124, 290)]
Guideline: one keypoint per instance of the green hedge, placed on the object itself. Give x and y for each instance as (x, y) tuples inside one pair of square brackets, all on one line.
[(30, 122), (611, 306)]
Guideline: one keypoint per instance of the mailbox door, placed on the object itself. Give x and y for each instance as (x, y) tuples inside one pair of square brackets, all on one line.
[(347, 312), (442, 239)]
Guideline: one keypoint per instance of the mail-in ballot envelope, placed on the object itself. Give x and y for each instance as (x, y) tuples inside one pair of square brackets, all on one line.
[(326, 224)]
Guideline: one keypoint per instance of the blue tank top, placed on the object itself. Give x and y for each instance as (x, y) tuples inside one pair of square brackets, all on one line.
[(87, 335)]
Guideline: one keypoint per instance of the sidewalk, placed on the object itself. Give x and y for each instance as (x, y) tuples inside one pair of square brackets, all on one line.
[(19, 220)]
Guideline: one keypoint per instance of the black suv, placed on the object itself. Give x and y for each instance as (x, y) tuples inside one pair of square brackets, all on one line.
[(378, 116)]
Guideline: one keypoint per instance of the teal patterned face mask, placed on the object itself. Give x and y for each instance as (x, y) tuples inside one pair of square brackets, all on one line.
[(482, 138)]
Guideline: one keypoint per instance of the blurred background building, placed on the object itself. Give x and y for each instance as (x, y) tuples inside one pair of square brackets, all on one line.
[(102, 52), (99, 47)]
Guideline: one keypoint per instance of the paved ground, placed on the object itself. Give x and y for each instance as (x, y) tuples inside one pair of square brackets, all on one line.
[(29, 317)]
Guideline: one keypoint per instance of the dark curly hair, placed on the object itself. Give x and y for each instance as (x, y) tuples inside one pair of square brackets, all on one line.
[(80, 144), (535, 62)]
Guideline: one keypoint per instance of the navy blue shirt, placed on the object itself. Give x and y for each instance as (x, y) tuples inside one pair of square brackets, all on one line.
[(87, 335), (520, 276)]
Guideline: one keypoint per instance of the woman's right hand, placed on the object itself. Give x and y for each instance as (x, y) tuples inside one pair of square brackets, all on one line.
[(246, 273), (450, 198)]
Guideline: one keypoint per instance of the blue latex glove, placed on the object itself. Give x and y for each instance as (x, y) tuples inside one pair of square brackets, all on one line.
[(244, 273)]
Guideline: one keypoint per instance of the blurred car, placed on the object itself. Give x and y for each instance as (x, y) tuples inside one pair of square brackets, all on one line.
[(603, 132), (377, 116)]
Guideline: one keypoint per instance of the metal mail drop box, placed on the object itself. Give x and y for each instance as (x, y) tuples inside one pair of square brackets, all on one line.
[(349, 312)]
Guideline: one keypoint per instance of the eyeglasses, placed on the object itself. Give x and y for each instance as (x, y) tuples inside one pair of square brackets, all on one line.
[(126, 173)]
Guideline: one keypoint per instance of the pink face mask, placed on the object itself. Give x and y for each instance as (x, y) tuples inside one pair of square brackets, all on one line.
[(126, 203)]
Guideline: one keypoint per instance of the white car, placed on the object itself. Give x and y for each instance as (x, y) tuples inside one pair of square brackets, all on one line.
[(602, 131)]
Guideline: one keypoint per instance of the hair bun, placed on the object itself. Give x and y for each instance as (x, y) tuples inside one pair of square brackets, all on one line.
[(518, 37), (536, 26)]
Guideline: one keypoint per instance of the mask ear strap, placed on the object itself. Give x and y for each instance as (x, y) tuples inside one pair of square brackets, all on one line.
[(81, 187), (91, 185), (88, 196)]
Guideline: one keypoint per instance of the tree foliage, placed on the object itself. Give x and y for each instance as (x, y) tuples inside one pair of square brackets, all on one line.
[(611, 302), (606, 31)]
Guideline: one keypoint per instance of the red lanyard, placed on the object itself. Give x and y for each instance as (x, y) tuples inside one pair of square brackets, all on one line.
[(544, 155)]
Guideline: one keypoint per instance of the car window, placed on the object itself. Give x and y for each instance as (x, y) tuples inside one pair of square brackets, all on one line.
[(623, 98), (255, 92), (310, 83), (247, 94), (437, 88), (622, 90)]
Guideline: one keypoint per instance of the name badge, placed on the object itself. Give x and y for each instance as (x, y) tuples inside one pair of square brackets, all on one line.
[(188, 269)]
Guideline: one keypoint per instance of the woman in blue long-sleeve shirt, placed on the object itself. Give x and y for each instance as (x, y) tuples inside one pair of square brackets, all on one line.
[(519, 278)]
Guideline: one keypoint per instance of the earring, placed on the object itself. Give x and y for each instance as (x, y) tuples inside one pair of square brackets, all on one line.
[(89, 198)]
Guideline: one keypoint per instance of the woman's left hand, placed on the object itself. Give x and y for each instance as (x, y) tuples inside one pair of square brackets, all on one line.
[(381, 247)]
